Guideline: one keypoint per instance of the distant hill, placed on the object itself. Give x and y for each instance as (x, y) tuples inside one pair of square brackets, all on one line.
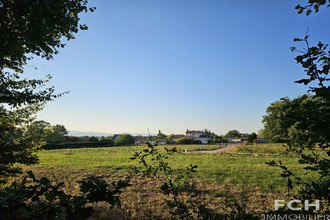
[(99, 134), (89, 133)]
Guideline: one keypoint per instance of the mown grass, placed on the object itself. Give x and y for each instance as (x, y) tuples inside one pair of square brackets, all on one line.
[(244, 170), (219, 176)]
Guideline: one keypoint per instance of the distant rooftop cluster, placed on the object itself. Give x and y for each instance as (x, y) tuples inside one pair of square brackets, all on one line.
[(202, 137)]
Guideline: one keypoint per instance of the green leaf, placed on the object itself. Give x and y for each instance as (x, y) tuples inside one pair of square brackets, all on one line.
[(299, 59)]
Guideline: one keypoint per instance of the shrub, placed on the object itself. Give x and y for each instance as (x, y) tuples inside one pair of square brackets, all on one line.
[(184, 141), (34, 198), (125, 139), (78, 145), (196, 142)]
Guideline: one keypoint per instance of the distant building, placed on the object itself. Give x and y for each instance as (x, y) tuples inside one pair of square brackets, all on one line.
[(201, 136), (194, 134), (141, 139)]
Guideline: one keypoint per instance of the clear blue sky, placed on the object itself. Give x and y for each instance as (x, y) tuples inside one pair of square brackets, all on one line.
[(178, 64)]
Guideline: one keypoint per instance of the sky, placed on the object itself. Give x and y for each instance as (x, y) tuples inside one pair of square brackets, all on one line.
[(178, 64)]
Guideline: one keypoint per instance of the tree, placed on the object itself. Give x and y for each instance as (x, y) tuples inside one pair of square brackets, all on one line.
[(38, 130), (251, 137), (42, 131), (160, 135), (169, 137), (306, 119), (261, 133), (124, 139), (233, 133), (73, 139), (36, 28), (93, 139), (184, 141), (57, 135), (303, 113), (108, 140), (273, 129), (28, 28)]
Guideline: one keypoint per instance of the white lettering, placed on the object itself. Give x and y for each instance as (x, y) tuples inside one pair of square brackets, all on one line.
[(268, 217), (292, 216), (316, 205), (277, 204), (279, 217), (294, 201)]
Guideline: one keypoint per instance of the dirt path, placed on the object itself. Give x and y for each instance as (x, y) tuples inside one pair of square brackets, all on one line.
[(222, 150)]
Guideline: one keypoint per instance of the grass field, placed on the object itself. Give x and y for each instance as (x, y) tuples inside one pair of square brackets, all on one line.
[(244, 168), (243, 171)]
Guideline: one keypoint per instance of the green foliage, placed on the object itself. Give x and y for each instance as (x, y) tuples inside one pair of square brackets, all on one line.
[(312, 5), (217, 140), (197, 142), (160, 135), (57, 135), (316, 62), (108, 140), (28, 28), (39, 130), (233, 134), (23, 33), (44, 132), (251, 138), (14, 147), (273, 130), (306, 120), (93, 139), (184, 141), (89, 144), (169, 137), (34, 198), (124, 140), (284, 117), (261, 133)]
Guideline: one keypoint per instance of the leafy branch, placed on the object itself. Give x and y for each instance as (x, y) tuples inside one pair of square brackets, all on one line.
[(34, 198), (312, 5)]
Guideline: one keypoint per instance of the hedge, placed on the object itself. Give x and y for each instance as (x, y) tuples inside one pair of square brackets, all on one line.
[(52, 146)]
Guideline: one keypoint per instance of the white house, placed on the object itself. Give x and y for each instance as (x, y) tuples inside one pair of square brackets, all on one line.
[(200, 136), (204, 138), (194, 134)]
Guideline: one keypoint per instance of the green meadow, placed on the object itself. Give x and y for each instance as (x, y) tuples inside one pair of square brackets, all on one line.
[(244, 167), (240, 174)]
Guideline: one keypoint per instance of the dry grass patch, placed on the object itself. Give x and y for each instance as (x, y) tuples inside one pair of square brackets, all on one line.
[(145, 200)]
